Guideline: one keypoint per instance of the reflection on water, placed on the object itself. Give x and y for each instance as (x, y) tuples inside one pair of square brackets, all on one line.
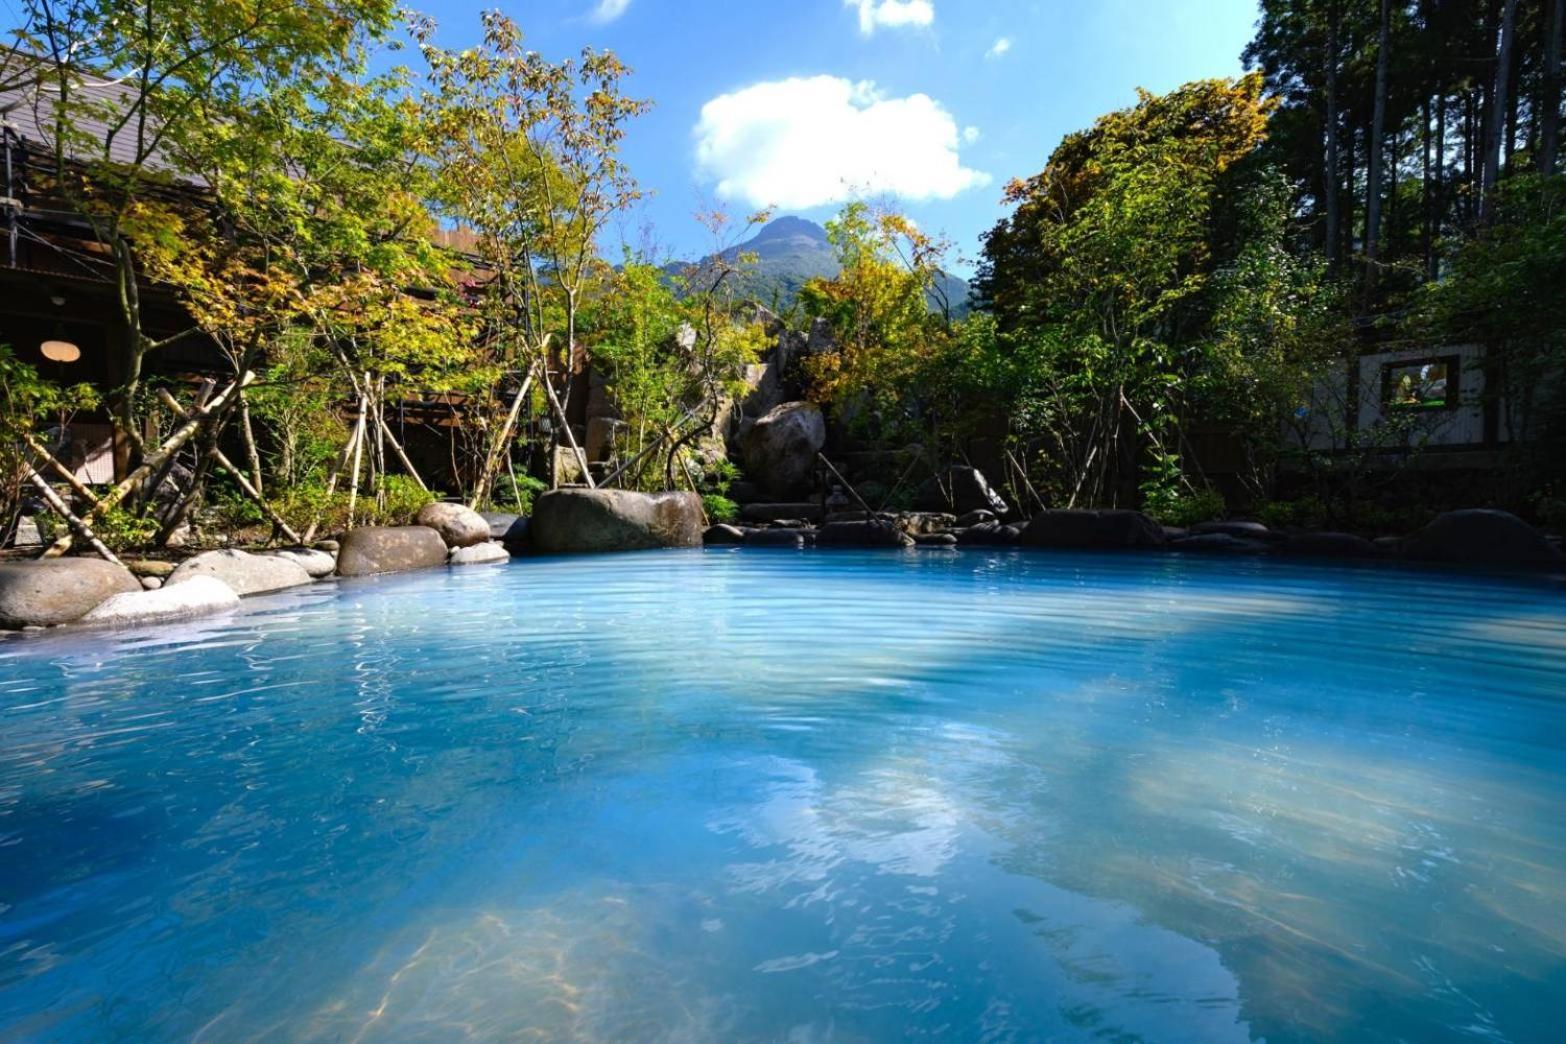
[(750, 796)]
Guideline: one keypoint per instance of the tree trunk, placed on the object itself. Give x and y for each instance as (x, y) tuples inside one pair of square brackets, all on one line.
[(1438, 204), (1377, 145), (1550, 126), (1331, 183), (1498, 107)]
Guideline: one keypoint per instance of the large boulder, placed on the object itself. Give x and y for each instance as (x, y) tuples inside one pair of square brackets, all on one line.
[(1482, 537), (1093, 530), (197, 596), (1330, 545), (960, 490), (247, 574), (58, 590), (389, 549), (873, 533), (457, 524), (781, 446), (580, 520), (723, 533)]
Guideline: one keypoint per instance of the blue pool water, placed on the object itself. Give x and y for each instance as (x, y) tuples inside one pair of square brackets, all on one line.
[(742, 795)]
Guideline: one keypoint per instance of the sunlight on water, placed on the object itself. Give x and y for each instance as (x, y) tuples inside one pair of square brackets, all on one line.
[(739, 795)]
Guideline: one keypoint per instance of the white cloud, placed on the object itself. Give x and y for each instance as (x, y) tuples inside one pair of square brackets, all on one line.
[(970, 135), (808, 142), (893, 14), (609, 10), (999, 47)]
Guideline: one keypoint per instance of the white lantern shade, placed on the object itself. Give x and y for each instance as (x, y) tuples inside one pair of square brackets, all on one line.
[(60, 351)]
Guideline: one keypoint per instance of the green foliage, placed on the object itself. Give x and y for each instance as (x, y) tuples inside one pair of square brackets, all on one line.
[(121, 530), (719, 508), (517, 495), (1182, 507)]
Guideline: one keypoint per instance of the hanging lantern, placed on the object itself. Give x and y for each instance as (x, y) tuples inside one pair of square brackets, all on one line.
[(60, 351)]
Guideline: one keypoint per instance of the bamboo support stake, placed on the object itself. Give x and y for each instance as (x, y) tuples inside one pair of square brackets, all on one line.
[(248, 433), (60, 469), (337, 469), (60, 508), (245, 484), (846, 485), (565, 426), (402, 455), (156, 459), (502, 444), (358, 453)]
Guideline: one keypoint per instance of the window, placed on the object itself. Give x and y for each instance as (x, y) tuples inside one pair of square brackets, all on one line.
[(1421, 384)]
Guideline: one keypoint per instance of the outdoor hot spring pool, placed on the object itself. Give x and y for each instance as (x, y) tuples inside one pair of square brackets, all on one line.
[(748, 795)]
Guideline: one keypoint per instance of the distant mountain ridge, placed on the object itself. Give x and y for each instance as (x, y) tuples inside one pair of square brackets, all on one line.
[(791, 251)]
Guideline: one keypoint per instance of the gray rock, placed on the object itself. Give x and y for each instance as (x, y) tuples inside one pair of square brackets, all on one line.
[(848, 516), (915, 523), (876, 533), (774, 538), (500, 523), (960, 490), (487, 553), (1244, 530), (1331, 545), (329, 546), (457, 524), (976, 517), (1220, 543), (58, 590), (583, 520), (1482, 537), (804, 511), (781, 446), (151, 583), (317, 563), (936, 540), (988, 534), (389, 549), (27, 533), (1093, 530), (723, 533), (198, 596), (247, 574)]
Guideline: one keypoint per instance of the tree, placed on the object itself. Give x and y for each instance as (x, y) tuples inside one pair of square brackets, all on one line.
[(528, 160), (1103, 278)]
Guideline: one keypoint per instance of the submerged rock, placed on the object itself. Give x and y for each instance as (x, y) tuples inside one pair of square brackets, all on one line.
[(780, 448), (875, 533), (1482, 537), (1331, 545), (1220, 543), (988, 534), (457, 524), (723, 533), (197, 596), (584, 520), (1241, 530), (1093, 530), (774, 538), (389, 549), (58, 590), (487, 553), (247, 574)]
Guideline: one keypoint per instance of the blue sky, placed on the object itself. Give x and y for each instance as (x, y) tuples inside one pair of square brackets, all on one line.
[(934, 103)]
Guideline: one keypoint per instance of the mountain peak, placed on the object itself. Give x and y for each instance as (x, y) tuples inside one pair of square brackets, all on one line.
[(790, 227)]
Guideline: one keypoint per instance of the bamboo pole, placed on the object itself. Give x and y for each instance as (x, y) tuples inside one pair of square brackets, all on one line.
[(358, 453), (248, 433), (245, 484), (846, 485), (155, 459), (60, 508), (565, 426), (60, 469), (502, 444), (402, 455)]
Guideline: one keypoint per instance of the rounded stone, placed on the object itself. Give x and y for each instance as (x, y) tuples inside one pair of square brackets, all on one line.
[(197, 596), (457, 524), (589, 520), (55, 591), (487, 553), (389, 549), (247, 574)]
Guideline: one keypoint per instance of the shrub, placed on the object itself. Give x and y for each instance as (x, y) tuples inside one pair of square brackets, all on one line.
[(719, 508), (1183, 507)]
